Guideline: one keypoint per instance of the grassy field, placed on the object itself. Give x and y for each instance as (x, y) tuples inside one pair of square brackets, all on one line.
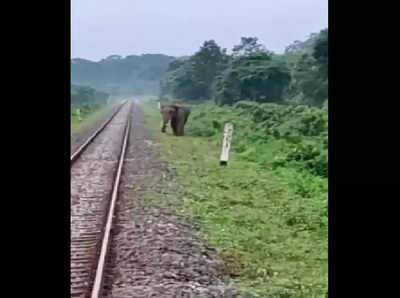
[(86, 118), (268, 222)]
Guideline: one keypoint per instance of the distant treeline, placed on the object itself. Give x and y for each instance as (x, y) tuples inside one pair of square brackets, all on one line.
[(252, 73), (82, 96), (120, 76)]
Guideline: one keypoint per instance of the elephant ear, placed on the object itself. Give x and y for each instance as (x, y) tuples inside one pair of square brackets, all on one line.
[(175, 106)]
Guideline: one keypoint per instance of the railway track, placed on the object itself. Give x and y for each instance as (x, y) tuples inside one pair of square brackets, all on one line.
[(92, 215), (82, 148)]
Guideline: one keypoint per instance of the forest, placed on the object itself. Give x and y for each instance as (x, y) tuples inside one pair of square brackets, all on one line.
[(252, 73), (116, 75), (249, 72)]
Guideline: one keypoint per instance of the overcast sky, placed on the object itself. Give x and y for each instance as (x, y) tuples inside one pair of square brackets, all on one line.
[(178, 27)]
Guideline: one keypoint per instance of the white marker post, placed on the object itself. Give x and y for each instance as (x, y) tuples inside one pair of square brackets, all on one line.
[(159, 105), (226, 144), (78, 113)]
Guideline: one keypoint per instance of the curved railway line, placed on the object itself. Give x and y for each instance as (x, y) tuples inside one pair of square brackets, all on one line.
[(92, 216)]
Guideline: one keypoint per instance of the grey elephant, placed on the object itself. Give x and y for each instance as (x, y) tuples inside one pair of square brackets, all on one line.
[(177, 115)]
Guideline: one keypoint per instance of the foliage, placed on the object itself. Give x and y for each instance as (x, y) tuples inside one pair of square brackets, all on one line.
[(303, 47), (192, 79), (252, 73), (268, 223), (254, 77), (248, 45), (310, 72), (87, 105), (270, 134), (304, 155), (84, 96), (179, 81)]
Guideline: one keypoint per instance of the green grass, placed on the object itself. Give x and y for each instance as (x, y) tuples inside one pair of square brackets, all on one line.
[(268, 223), (86, 118)]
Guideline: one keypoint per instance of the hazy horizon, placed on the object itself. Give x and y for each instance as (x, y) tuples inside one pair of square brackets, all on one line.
[(100, 28)]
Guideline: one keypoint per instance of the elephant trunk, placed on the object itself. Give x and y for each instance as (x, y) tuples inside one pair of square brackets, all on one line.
[(164, 123)]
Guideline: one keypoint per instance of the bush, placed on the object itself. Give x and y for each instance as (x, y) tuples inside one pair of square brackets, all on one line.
[(304, 156), (270, 134), (83, 96)]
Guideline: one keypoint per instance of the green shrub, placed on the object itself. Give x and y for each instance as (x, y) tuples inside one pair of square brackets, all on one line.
[(270, 134)]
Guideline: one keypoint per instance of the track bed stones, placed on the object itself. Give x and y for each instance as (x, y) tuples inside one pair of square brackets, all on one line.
[(154, 251), (80, 136), (91, 183)]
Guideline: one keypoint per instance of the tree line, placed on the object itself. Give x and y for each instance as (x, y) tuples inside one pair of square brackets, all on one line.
[(84, 96), (115, 74), (252, 73)]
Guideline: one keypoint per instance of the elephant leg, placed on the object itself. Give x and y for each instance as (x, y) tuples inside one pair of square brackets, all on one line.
[(179, 127), (174, 126), (183, 128), (186, 118)]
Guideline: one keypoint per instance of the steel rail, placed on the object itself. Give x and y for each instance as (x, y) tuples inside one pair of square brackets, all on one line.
[(79, 151), (97, 285)]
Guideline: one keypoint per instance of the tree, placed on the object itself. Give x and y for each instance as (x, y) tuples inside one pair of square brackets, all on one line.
[(252, 73), (321, 53), (193, 78), (309, 81), (306, 46), (253, 77), (309, 69), (175, 64), (207, 62), (85, 95), (248, 46)]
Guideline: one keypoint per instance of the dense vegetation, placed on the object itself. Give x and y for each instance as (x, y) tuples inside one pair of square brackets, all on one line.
[(252, 73), (306, 46), (84, 96), (298, 132), (254, 77), (117, 75), (84, 102), (266, 212), (192, 78)]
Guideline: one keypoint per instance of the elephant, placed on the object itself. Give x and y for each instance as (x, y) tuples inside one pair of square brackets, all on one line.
[(177, 114)]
